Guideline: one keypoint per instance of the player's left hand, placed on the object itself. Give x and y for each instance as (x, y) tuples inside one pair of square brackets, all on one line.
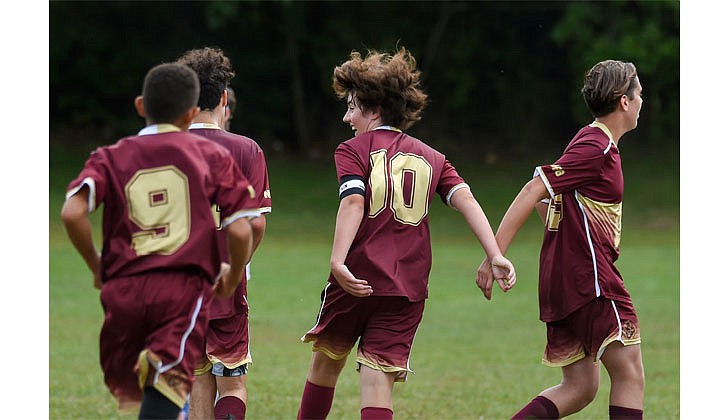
[(503, 272), (499, 270), (350, 284)]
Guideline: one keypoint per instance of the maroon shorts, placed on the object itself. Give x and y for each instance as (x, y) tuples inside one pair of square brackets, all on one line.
[(164, 315), (589, 330), (384, 325), (227, 343)]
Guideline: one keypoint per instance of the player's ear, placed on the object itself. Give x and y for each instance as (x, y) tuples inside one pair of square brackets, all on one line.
[(376, 113), (224, 98), (624, 103), (139, 105)]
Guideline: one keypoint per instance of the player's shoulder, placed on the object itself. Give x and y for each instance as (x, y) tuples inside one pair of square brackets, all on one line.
[(233, 140), (591, 136), (204, 144)]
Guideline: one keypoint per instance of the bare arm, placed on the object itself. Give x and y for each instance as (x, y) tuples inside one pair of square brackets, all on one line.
[(521, 207), (240, 248), (258, 225), (348, 218), (495, 262), (78, 226), (542, 209)]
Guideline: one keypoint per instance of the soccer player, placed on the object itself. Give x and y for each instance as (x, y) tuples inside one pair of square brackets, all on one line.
[(588, 313), (156, 273), (223, 370), (381, 253)]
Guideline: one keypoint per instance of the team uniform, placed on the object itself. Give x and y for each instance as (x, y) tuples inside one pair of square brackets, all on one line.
[(227, 339), (398, 175), (582, 296), (155, 286)]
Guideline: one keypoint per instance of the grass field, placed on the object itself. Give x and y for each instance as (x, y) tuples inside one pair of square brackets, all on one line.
[(473, 358)]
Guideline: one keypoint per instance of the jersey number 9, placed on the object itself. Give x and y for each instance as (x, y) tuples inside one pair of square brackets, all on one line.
[(159, 203)]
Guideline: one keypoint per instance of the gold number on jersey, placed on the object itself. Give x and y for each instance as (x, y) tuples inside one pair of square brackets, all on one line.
[(378, 182), (150, 194), (553, 217), (558, 170), (408, 210), (216, 216)]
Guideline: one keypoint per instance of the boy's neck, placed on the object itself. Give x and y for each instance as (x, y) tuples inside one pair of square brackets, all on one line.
[(211, 117)]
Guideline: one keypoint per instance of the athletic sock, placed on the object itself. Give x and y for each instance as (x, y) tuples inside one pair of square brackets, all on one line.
[(617, 412), (315, 402), (539, 408), (229, 408), (376, 413), (157, 406)]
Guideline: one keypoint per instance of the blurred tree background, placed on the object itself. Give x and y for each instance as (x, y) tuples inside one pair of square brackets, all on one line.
[(503, 77)]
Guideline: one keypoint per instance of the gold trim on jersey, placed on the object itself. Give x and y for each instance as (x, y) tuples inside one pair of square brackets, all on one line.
[(606, 216), (606, 131)]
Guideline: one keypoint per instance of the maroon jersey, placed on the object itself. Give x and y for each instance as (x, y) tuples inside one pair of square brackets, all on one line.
[(251, 161), (158, 189), (398, 175), (583, 226)]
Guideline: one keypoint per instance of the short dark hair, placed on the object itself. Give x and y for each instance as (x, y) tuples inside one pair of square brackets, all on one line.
[(169, 90), (214, 70), (605, 83)]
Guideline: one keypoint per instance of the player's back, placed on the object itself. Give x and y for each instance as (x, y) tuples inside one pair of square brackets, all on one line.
[(157, 190), (392, 247)]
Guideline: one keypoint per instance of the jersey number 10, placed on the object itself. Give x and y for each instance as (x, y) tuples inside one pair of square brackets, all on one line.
[(402, 183)]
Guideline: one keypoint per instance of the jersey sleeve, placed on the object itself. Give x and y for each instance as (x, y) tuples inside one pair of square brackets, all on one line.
[(580, 164), (258, 178), (450, 181), (91, 176), (349, 162), (235, 196), (351, 170)]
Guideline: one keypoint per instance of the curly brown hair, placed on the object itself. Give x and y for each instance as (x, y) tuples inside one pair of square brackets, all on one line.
[(214, 70), (389, 83)]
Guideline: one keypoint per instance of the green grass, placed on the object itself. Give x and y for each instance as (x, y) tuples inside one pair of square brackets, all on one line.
[(473, 358)]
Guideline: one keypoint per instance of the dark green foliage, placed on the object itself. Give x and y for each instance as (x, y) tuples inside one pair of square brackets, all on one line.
[(503, 77)]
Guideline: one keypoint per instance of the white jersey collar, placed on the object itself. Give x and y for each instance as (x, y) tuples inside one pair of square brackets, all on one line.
[(388, 127), (199, 125), (158, 129)]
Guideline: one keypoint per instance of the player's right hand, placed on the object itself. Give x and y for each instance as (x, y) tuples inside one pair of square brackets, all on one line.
[(225, 285), (350, 284)]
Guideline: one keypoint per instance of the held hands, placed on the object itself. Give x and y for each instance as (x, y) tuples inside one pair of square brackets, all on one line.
[(225, 284), (499, 270), (347, 281)]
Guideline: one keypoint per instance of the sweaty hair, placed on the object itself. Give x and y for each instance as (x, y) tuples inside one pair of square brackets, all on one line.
[(390, 83), (605, 83), (215, 72), (169, 91)]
